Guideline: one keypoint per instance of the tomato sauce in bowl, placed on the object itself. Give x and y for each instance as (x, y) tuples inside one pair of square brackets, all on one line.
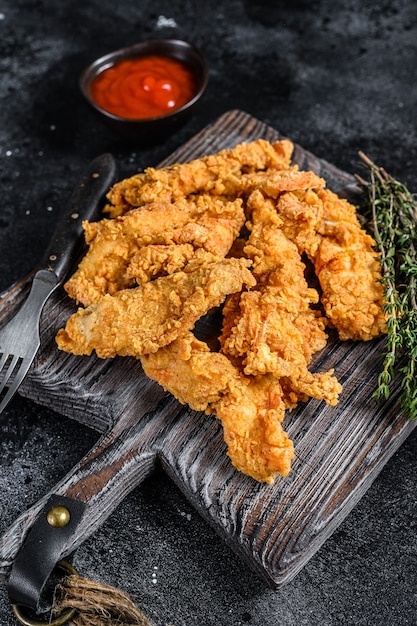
[(144, 87), (146, 91)]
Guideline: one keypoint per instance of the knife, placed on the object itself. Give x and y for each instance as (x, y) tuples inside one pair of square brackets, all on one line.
[(20, 338)]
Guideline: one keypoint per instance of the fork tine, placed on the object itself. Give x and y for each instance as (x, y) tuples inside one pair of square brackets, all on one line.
[(9, 370), (20, 374), (21, 333), (3, 360)]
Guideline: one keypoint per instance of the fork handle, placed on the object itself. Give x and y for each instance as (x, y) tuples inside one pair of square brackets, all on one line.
[(83, 204)]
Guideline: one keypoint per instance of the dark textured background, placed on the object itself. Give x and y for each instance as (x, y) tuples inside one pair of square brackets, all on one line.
[(336, 77)]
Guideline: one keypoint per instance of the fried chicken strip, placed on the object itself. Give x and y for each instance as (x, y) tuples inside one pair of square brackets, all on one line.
[(327, 229), (251, 410), (170, 231), (151, 241), (155, 260), (251, 416), (271, 183), (272, 328), (267, 316), (349, 272), (141, 320), (167, 184), (301, 212), (280, 272)]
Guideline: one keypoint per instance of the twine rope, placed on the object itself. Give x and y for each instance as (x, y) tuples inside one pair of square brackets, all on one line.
[(97, 604)]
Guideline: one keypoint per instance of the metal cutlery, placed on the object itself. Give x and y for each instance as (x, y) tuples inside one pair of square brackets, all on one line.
[(20, 337)]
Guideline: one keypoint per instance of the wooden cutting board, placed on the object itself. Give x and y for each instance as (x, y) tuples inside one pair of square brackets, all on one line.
[(276, 528)]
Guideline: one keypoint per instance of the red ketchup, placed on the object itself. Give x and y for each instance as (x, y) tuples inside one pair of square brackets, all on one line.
[(144, 87)]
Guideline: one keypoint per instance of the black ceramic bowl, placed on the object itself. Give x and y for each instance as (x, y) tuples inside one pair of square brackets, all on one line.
[(152, 129)]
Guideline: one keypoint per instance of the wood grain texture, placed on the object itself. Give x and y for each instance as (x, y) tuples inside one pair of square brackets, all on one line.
[(276, 528)]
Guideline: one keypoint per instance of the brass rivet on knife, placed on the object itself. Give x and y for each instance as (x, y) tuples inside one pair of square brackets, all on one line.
[(58, 516)]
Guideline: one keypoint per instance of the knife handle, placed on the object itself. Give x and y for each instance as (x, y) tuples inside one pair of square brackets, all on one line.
[(91, 491), (119, 461), (83, 204)]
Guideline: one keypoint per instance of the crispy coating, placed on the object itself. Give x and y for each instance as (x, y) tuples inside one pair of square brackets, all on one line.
[(346, 264), (272, 328), (349, 272), (277, 321), (200, 175), (140, 320), (187, 234), (251, 416), (300, 212), (271, 183), (151, 241), (251, 409), (157, 260), (318, 385), (264, 335)]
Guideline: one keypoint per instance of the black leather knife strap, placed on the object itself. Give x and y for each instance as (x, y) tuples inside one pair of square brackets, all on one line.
[(39, 554)]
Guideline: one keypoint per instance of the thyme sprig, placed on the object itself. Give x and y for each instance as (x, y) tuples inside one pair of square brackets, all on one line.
[(392, 212)]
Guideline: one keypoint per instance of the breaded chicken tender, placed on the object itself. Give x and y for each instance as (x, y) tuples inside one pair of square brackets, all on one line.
[(273, 329), (300, 212), (349, 272), (155, 260), (248, 236), (250, 409), (251, 416), (202, 175), (271, 183), (148, 242), (141, 320), (327, 229)]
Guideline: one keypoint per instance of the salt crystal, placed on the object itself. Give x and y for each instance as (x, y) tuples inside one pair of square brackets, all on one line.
[(164, 22)]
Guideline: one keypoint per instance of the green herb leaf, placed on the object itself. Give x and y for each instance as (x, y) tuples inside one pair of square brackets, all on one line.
[(391, 211)]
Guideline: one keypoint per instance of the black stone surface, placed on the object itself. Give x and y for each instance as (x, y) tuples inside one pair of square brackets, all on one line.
[(336, 77)]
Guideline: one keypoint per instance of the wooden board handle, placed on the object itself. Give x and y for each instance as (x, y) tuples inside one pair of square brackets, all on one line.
[(115, 465)]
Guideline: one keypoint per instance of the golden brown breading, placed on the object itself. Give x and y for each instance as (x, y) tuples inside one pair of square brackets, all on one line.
[(349, 272), (271, 183), (142, 319), (250, 410), (157, 260), (112, 242), (117, 257), (272, 329), (318, 385), (327, 229), (266, 335), (190, 371), (200, 175), (300, 212), (177, 231), (251, 415)]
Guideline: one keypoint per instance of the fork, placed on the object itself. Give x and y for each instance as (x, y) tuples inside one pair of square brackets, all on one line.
[(20, 337)]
